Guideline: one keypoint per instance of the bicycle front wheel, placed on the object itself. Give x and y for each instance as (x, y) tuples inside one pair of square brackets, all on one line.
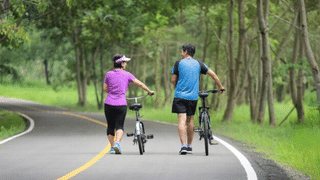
[(140, 143), (205, 132), (141, 138)]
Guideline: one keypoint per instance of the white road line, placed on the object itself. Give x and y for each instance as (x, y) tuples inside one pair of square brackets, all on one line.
[(24, 132), (251, 174)]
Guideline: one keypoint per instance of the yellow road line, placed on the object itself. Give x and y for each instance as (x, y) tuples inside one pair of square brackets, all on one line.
[(92, 161), (87, 165)]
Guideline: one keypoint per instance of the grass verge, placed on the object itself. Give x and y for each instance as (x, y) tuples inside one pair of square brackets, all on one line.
[(10, 124)]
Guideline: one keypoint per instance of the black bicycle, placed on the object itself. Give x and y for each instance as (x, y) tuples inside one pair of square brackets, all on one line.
[(204, 128), (139, 134)]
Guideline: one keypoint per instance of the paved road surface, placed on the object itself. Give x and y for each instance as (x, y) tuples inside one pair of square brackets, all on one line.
[(66, 144)]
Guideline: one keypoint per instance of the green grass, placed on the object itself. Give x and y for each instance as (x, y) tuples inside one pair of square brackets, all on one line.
[(291, 144), (38, 92), (10, 124)]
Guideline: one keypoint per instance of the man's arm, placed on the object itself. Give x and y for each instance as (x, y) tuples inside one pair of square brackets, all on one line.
[(216, 79), (174, 80)]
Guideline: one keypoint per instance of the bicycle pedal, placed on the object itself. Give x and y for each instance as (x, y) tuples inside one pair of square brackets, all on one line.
[(213, 143), (196, 129), (130, 134), (150, 136)]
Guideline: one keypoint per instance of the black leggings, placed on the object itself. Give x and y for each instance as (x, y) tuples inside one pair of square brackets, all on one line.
[(115, 116)]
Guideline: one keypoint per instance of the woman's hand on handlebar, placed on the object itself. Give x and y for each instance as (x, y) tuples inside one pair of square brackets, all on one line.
[(151, 93)]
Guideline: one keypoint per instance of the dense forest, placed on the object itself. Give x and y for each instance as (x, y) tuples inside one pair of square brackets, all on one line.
[(262, 50)]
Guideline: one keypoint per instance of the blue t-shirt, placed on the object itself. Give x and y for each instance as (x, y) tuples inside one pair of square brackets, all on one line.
[(188, 73)]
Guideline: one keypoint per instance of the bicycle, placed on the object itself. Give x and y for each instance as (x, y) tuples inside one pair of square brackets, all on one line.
[(139, 134), (204, 128)]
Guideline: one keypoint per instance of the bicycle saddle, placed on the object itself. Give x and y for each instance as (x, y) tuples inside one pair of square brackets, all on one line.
[(203, 94), (135, 106)]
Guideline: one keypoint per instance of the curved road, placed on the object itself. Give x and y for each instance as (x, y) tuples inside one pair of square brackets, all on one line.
[(65, 144)]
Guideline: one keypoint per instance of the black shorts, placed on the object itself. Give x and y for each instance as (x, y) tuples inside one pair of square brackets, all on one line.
[(184, 106), (115, 116)]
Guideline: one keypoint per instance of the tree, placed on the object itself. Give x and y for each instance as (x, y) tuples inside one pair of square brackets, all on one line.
[(12, 34), (235, 64), (309, 53), (267, 91)]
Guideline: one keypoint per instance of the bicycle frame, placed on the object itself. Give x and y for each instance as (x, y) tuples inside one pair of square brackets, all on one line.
[(204, 120)]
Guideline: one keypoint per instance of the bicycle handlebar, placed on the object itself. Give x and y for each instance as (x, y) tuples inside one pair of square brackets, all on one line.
[(136, 98)]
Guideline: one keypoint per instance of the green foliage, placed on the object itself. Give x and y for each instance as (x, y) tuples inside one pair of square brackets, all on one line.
[(15, 35), (302, 64), (315, 104), (12, 34), (9, 72)]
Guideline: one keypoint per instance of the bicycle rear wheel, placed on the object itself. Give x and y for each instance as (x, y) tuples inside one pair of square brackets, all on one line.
[(205, 132)]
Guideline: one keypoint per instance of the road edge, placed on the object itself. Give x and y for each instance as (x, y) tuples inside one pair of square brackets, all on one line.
[(30, 126)]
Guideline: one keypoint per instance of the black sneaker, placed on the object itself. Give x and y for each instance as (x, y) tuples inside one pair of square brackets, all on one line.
[(183, 151), (189, 150)]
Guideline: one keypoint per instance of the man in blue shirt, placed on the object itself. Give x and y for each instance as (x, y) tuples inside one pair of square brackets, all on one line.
[(185, 78)]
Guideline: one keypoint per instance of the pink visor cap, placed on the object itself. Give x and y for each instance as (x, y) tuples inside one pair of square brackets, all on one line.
[(123, 58)]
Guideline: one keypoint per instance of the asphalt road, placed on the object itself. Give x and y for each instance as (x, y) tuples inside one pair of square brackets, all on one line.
[(64, 144)]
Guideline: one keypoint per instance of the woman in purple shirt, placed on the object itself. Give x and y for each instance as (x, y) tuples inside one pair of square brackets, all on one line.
[(115, 85)]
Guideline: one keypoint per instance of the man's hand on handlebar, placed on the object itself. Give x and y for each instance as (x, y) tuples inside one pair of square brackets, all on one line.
[(221, 90)]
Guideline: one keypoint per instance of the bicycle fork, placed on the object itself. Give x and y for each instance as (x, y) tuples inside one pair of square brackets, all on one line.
[(139, 132)]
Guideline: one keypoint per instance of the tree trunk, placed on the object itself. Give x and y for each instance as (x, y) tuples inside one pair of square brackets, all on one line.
[(241, 48), (102, 75), (78, 71), (206, 43), (95, 77), (215, 99), (265, 37), (305, 36), (158, 77), (84, 76), (296, 88), (300, 88), (259, 81), (299, 102), (265, 61), (46, 71), (292, 71), (228, 114), (166, 78)]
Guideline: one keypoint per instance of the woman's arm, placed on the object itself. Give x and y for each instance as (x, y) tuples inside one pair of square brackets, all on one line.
[(143, 86), (105, 88)]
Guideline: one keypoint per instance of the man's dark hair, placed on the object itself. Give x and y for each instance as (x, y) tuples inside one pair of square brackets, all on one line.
[(114, 58), (190, 48)]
